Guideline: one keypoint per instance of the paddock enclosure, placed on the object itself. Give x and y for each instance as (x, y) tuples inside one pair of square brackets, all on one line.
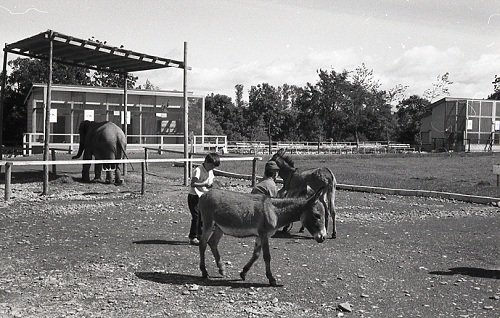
[(95, 250)]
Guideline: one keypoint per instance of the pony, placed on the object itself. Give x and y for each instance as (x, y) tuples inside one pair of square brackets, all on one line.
[(298, 183), (254, 215)]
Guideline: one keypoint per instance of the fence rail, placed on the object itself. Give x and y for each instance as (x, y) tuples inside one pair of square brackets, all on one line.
[(71, 141), (10, 164)]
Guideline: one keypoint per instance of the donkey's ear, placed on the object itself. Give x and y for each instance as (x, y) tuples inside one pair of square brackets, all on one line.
[(281, 152)]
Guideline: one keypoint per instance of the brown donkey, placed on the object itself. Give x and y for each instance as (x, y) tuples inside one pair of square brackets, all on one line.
[(300, 183), (244, 215)]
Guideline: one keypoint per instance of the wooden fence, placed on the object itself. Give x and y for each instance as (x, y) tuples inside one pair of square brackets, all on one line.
[(10, 164)]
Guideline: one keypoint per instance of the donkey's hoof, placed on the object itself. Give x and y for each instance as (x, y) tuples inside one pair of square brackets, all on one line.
[(204, 275), (334, 235), (118, 182), (108, 181), (273, 282), (222, 272), (243, 275)]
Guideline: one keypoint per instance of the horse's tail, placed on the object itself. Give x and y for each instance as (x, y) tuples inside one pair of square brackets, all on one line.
[(331, 188)]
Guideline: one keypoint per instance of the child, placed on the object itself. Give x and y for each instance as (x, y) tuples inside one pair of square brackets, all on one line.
[(268, 185), (201, 182)]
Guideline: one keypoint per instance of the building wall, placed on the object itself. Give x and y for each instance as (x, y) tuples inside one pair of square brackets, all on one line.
[(152, 113), (461, 125)]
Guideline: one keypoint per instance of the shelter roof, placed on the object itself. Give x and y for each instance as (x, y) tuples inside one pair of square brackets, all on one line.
[(88, 54)]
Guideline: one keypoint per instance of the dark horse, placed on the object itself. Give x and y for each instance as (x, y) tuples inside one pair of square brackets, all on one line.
[(298, 183), (244, 215)]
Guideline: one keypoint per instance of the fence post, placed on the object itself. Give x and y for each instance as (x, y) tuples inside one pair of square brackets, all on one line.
[(53, 154), (8, 175), (190, 169), (146, 158), (254, 175), (143, 174)]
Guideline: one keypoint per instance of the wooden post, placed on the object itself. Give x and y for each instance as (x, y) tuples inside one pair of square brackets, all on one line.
[(47, 119), (2, 99), (54, 169), (146, 157), (186, 116), (8, 176), (143, 175), (496, 171), (190, 170), (254, 174), (125, 115)]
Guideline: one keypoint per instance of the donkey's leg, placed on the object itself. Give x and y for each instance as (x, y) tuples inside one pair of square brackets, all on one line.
[(256, 252), (213, 242), (323, 200), (331, 208), (267, 260), (206, 233)]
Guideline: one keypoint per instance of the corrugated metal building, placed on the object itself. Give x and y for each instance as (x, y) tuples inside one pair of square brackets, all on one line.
[(461, 124)]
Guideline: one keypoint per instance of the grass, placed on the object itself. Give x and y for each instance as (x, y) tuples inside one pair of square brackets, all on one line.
[(466, 173)]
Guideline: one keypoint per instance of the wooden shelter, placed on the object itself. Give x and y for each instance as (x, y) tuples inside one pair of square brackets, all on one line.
[(57, 47)]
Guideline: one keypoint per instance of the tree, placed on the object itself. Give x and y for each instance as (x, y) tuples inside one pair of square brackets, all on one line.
[(439, 88), (265, 107), (107, 79), (496, 89), (239, 95), (409, 114), (396, 94), (149, 86), (229, 117), (24, 73)]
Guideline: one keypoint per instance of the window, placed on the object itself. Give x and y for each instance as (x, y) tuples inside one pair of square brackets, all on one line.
[(486, 109)]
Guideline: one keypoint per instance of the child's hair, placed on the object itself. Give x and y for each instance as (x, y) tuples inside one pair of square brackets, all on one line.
[(213, 158), (269, 173)]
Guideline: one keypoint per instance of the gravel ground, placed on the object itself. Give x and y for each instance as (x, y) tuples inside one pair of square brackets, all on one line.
[(96, 250)]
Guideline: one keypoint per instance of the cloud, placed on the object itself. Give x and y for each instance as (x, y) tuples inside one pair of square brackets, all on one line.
[(417, 67)]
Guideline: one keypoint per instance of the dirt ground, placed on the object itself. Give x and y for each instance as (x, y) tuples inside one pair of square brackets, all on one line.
[(96, 250)]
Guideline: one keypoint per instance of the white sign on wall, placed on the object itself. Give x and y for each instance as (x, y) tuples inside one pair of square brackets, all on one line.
[(88, 114), (469, 124), (161, 115), (497, 125), (53, 115)]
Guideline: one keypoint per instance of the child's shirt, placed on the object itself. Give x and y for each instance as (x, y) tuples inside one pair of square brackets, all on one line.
[(267, 187), (202, 175)]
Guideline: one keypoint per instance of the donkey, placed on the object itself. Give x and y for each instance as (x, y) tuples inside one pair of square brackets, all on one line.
[(244, 215), (299, 183)]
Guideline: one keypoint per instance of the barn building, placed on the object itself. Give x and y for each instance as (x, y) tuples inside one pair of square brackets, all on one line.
[(155, 117), (461, 124)]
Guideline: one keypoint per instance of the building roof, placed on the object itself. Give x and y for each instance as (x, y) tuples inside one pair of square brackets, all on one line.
[(88, 54), (110, 90)]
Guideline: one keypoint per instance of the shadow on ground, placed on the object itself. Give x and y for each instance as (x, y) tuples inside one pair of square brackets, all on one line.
[(181, 279), (161, 242), (470, 271)]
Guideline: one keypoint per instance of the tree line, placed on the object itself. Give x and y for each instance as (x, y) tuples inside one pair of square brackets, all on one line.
[(340, 106)]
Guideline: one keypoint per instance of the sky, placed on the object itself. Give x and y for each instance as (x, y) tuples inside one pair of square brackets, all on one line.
[(250, 42)]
